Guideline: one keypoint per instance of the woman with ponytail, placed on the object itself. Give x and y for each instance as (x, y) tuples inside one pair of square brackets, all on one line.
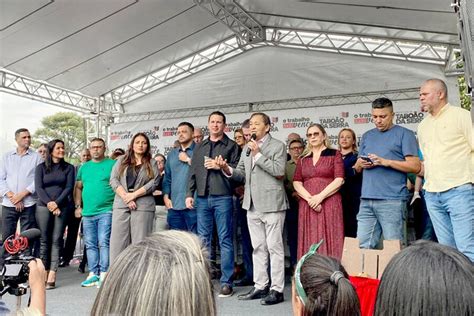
[(321, 287)]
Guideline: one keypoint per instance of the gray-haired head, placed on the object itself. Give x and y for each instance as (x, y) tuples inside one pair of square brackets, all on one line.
[(165, 274)]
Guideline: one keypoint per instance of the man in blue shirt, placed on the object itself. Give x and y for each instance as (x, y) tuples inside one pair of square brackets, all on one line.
[(17, 185), (175, 182), (387, 153)]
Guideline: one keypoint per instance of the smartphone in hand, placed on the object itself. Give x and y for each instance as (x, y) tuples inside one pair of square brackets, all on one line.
[(366, 159)]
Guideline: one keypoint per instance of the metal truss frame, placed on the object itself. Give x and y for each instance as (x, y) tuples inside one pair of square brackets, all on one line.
[(454, 63), (250, 34), (382, 47), (97, 112), (465, 11), (97, 126), (239, 21), (343, 99), (175, 71), (45, 92)]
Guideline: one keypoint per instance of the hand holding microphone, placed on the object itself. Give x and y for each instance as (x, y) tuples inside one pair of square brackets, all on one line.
[(249, 149)]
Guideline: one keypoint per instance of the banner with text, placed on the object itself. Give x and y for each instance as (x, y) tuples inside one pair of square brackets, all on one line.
[(162, 133)]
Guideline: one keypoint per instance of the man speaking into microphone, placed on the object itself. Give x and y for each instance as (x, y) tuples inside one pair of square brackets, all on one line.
[(262, 168)]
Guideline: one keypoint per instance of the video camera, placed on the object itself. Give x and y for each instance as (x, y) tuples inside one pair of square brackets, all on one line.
[(15, 270)]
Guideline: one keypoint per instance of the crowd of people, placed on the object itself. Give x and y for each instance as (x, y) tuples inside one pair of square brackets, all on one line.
[(261, 187)]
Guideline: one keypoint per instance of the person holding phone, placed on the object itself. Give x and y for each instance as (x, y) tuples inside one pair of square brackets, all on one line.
[(387, 153)]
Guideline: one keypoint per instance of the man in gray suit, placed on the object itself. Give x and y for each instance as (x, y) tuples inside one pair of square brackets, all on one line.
[(262, 167)]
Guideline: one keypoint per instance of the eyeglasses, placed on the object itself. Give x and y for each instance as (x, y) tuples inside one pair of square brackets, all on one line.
[(296, 148), (309, 135), (298, 285)]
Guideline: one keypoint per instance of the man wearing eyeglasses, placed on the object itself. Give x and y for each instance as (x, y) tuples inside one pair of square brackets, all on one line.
[(295, 148), (93, 198), (387, 153), (198, 135), (262, 168)]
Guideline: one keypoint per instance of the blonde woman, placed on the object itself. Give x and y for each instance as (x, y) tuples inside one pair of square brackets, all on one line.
[(350, 190), (318, 176), (165, 274)]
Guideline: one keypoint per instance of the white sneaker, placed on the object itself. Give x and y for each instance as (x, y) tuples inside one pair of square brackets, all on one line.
[(101, 279)]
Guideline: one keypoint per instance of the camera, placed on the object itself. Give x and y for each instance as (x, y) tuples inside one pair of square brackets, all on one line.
[(15, 270), (15, 275)]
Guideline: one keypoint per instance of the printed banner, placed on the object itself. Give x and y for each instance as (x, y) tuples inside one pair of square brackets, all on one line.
[(162, 133)]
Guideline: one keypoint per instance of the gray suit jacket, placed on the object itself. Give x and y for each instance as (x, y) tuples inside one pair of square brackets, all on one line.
[(264, 181), (144, 203)]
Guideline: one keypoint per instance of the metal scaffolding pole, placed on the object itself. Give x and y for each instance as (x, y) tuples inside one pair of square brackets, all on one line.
[(343, 99)]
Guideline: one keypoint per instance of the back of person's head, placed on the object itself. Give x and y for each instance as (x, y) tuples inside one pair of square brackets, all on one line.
[(322, 285), (427, 279), (165, 274)]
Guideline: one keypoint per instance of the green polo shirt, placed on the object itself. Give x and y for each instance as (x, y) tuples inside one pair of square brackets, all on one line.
[(97, 194)]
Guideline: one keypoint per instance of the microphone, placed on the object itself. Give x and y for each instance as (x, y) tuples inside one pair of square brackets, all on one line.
[(31, 233), (15, 244), (254, 137)]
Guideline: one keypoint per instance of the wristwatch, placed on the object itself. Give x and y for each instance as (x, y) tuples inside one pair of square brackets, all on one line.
[(77, 206)]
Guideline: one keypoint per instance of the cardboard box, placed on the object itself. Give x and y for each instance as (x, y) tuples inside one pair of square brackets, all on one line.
[(369, 263)]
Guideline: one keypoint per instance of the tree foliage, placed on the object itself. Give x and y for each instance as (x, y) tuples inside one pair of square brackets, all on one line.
[(463, 94), (67, 126)]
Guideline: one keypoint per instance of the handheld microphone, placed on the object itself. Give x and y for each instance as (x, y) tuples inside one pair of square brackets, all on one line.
[(254, 137), (31, 233)]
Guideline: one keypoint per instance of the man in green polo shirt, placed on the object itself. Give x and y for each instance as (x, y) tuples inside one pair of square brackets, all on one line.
[(94, 197)]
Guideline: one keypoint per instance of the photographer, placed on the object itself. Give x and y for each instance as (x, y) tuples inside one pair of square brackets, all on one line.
[(36, 279)]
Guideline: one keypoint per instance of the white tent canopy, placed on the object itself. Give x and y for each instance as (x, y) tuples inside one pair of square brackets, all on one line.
[(108, 50), (274, 74)]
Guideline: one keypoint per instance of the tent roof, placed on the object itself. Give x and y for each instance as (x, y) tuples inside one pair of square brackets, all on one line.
[(93, 46)]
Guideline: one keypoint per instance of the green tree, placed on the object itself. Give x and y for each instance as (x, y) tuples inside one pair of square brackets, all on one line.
[(67, 126), (463, 94)]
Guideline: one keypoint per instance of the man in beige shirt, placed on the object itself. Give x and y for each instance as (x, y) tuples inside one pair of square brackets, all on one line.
[(447, 144)]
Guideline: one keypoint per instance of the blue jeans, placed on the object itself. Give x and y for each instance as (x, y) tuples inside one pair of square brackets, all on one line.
[(182, 220), (97, 239), (380, 216), (452, 214), (219, 208)]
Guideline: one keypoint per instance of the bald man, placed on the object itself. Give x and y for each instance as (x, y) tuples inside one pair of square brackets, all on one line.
[(446, 141)]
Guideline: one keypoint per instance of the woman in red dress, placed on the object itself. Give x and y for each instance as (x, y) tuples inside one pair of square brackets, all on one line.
[(319, 175)]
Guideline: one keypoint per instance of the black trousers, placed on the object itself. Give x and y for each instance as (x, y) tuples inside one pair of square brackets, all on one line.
[(72, 224), (291, 223), (52, 228)]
